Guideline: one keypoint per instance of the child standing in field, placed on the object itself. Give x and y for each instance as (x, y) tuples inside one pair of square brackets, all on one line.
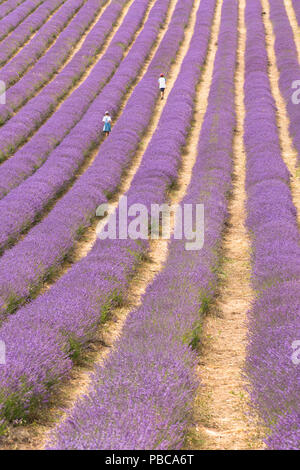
[(107, 123), (162, 85)]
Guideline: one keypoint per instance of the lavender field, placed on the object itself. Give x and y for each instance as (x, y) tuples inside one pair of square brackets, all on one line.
[(150, 215)]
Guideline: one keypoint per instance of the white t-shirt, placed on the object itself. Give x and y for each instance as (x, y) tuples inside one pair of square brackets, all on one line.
[(162, 82), (106, 119)]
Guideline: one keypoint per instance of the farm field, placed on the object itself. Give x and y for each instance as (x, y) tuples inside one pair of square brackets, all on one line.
[(150, 215)]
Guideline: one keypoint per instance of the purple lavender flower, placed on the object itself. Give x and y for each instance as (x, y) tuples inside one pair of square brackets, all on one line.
[(274, 317)]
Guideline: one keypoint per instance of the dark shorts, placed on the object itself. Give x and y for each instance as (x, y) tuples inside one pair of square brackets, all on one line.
[(162, 89)]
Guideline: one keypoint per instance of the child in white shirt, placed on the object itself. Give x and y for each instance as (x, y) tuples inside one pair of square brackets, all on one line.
[(162, 85)]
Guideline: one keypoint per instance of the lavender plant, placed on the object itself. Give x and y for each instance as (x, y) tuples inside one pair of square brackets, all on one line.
[(15, 132), (76, 208), (296, 7), (100, 280), (29, 54), (288, 65), (141, 397), (274, 317), (15, 170), (9, 6), (13, 21)]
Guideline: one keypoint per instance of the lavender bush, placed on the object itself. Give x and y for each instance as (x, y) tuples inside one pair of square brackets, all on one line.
[(75, 210), (274, 318), (13, 171), (9, 6), (24, 30), (296, 7), (13, 19), (71, 310), (141, 397), (32, 115), (287, 62), (29, 54)]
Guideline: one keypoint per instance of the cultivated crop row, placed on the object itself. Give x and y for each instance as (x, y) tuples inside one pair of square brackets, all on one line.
[(13, 19), (8, 7), (19, 36), (274, 317), (50, 135), (288, 65), (28, 55), (75, 210), (141, 398), (33, 114), (296, 6), (98, 281)]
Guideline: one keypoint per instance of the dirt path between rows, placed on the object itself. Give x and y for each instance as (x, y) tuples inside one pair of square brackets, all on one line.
[(222, 414), (294, 24), (34, 436), (288, 151)]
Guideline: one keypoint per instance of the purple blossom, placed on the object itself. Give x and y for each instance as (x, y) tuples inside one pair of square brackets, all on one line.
[(141, 397), (9, 6), (28, 118), (274, 317), (27, 56), (78, 206), (71, 310), (14, 21), (296, 7), (35, 152), (287, 63)]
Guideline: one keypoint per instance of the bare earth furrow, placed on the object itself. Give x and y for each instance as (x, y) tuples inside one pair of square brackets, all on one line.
[(221, 408), (288, 151)]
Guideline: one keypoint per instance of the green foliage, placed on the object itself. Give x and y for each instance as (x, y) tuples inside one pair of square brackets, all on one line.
[(205, 305), (75, 348), (114, 300), (80, 231), (193, 337), (13, 303), (14, 409)]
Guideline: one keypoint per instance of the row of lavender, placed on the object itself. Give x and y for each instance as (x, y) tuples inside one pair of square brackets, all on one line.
[(78, 206), (16, 131), (13, 19), (296, 6), (141, 398), (33, 154), (64, 160), (274, 318), (29, 54), (288, 65), (8, 7), (57, 324), (21, 33)]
